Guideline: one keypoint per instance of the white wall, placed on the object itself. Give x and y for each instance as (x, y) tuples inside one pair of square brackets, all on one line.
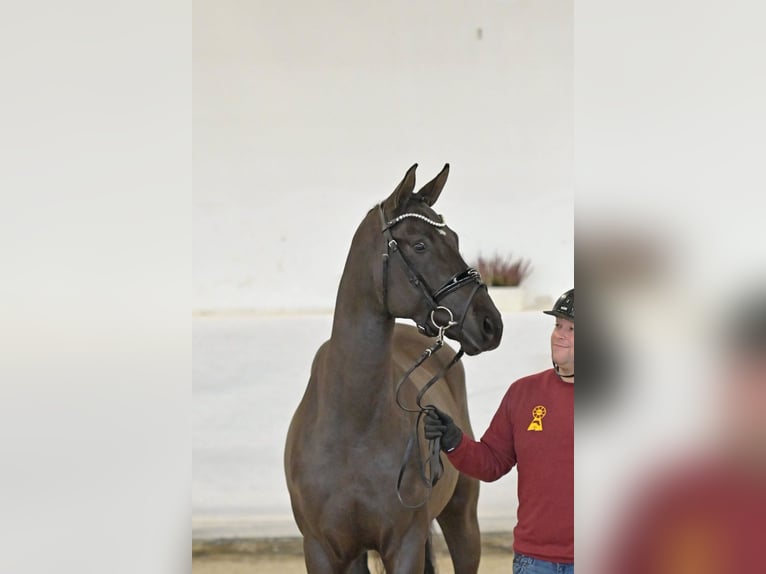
[(307, 114)]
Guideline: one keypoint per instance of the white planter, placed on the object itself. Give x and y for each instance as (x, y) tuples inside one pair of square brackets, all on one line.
[(508, 299)]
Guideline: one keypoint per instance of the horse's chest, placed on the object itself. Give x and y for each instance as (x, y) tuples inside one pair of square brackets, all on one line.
[(349, 480)]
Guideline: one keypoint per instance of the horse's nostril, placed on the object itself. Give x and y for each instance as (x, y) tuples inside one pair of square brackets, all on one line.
[(488, 326)]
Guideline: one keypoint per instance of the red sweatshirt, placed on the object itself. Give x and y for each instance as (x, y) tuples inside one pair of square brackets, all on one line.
[(534, 429)]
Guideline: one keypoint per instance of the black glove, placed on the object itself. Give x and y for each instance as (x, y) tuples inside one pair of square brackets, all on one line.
[(439, 424)]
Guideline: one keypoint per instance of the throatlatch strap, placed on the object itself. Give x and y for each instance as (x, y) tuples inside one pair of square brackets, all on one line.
[(412, 275)]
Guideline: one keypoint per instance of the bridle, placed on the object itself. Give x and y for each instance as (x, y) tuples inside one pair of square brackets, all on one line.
[(432, 468), (432, 297)]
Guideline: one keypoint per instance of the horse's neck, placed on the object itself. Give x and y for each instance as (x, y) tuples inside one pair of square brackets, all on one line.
[(360, 353), (358, 370)]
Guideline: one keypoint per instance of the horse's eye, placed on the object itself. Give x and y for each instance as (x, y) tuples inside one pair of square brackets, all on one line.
[(419, 247)]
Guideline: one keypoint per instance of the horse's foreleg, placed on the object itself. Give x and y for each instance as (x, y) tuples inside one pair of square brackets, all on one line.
[(460, 526), (359, 566), (318, 560), (409, 556)]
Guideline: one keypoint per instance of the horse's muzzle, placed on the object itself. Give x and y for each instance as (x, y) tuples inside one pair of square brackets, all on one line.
[(482, 327)]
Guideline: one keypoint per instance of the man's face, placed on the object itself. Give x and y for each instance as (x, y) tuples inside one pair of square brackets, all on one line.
[(562, 345)]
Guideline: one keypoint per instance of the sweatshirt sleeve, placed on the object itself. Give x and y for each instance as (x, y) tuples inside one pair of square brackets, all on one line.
[(494, 455)]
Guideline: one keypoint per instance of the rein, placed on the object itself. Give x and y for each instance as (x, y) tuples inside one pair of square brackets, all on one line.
[(431, 469), (434, 462)]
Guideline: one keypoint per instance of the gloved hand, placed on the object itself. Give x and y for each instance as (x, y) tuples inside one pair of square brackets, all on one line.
[(439, 424)]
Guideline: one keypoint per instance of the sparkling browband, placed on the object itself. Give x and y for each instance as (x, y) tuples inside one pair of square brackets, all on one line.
[(416, 215)]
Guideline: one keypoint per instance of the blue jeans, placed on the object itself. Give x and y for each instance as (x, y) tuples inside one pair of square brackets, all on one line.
[(527, 565)]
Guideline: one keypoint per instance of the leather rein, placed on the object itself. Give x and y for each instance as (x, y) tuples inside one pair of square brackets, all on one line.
[(431, 469)]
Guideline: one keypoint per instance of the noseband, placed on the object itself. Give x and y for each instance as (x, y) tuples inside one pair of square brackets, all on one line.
[(469, 276), (433, 298)]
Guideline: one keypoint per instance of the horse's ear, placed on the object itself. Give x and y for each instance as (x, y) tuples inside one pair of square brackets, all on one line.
[(430, 192), (403, 191)]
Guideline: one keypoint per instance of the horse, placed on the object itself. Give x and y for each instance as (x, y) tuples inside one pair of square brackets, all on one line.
[(346, 440)]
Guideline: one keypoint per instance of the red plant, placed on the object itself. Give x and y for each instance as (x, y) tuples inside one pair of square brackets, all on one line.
[(503, 271)]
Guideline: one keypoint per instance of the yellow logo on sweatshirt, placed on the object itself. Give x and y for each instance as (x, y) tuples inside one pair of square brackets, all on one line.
[(537, 418)]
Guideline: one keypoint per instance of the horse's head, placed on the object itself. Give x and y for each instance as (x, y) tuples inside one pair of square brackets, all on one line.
[(425, 278)]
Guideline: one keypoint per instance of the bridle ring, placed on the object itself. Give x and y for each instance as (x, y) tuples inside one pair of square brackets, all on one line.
[(448, 324)]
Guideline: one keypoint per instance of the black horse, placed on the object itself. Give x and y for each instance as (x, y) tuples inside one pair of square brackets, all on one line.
[(347, 437)]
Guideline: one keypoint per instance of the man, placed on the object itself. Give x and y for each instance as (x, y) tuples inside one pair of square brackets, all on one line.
[(533, 429)]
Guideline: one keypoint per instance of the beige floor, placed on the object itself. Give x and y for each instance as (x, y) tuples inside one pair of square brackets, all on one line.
[(490, 564), (285, 555)]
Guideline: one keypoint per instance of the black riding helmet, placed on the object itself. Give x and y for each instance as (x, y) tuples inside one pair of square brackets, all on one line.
[(564, 307)]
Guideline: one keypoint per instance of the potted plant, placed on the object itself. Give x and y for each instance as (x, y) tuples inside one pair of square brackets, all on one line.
[(504, 276)]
